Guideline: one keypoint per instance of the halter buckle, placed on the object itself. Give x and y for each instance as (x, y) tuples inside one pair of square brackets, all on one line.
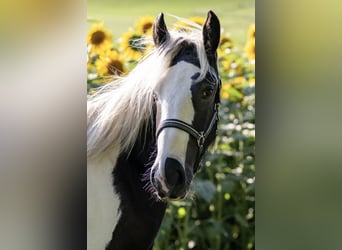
[(201, 140)]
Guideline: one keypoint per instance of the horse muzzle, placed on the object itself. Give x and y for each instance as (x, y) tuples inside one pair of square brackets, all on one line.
[(173, 184)]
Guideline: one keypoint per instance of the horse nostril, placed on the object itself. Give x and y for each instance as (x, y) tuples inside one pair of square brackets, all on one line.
[(174, 175)]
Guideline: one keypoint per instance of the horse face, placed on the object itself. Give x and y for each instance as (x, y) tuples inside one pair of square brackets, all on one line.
[(186, 110)]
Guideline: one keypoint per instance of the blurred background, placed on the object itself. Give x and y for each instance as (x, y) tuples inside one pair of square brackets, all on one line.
[(235, 15)]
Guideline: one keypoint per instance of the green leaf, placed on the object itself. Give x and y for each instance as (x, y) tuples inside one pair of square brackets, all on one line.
[(250, 188), (241, 220), (205, 189), (228, 186), (234, 93), (224, 147)]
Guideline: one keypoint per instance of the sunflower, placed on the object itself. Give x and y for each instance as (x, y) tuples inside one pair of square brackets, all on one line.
[(226, 65), (110, 63), (250, 49), (225, 46), (197, 19), (238, 80), (185, 26), (225, 90), (251, 31), (92, 92), (251, 81), (99, 39), (144, 25), (132, 46)]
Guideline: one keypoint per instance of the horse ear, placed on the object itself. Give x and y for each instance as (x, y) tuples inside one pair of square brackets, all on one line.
[(160, 32), (211, 33)]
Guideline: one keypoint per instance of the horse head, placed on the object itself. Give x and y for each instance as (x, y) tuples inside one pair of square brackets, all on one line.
[(187, 100)]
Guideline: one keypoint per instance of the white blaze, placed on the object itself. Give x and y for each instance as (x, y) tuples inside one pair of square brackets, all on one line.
[(175, 103)]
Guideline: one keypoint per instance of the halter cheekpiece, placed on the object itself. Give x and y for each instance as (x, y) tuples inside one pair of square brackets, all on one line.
[(200, 137)]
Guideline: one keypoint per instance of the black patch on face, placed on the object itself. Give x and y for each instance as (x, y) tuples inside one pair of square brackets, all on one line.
[(204, 99), (204, 107), (187, 53)]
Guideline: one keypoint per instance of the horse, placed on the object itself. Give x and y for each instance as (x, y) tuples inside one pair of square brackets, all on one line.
[(146, 134)]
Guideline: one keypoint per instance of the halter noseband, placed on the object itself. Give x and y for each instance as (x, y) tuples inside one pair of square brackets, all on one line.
[(200, 137)]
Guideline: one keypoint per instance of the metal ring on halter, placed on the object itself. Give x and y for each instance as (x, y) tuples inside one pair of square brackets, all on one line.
[(201, 140)]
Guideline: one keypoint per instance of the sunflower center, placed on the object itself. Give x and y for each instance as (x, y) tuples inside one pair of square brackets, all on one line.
[(98, 37), (115, 67), (134, 44), (146, 27), (225, 41)]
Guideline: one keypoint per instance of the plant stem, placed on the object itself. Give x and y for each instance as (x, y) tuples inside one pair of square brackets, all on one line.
[(219, 214)]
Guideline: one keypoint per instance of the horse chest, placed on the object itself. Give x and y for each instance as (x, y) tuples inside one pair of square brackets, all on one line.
[(140, 214), (102, 204)]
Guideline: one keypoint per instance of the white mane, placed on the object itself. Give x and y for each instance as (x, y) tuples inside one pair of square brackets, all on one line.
[(116, 113)]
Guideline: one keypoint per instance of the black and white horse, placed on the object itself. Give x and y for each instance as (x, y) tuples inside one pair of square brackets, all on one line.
[(147, 132)]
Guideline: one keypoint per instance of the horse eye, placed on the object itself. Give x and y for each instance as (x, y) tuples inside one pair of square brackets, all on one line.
[(207, 92)]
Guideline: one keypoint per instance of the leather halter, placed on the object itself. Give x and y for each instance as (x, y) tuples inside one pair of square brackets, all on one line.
[(199, 136)]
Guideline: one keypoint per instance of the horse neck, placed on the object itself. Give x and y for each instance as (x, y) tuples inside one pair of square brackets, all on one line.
[(145, 143), (141, 215)]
